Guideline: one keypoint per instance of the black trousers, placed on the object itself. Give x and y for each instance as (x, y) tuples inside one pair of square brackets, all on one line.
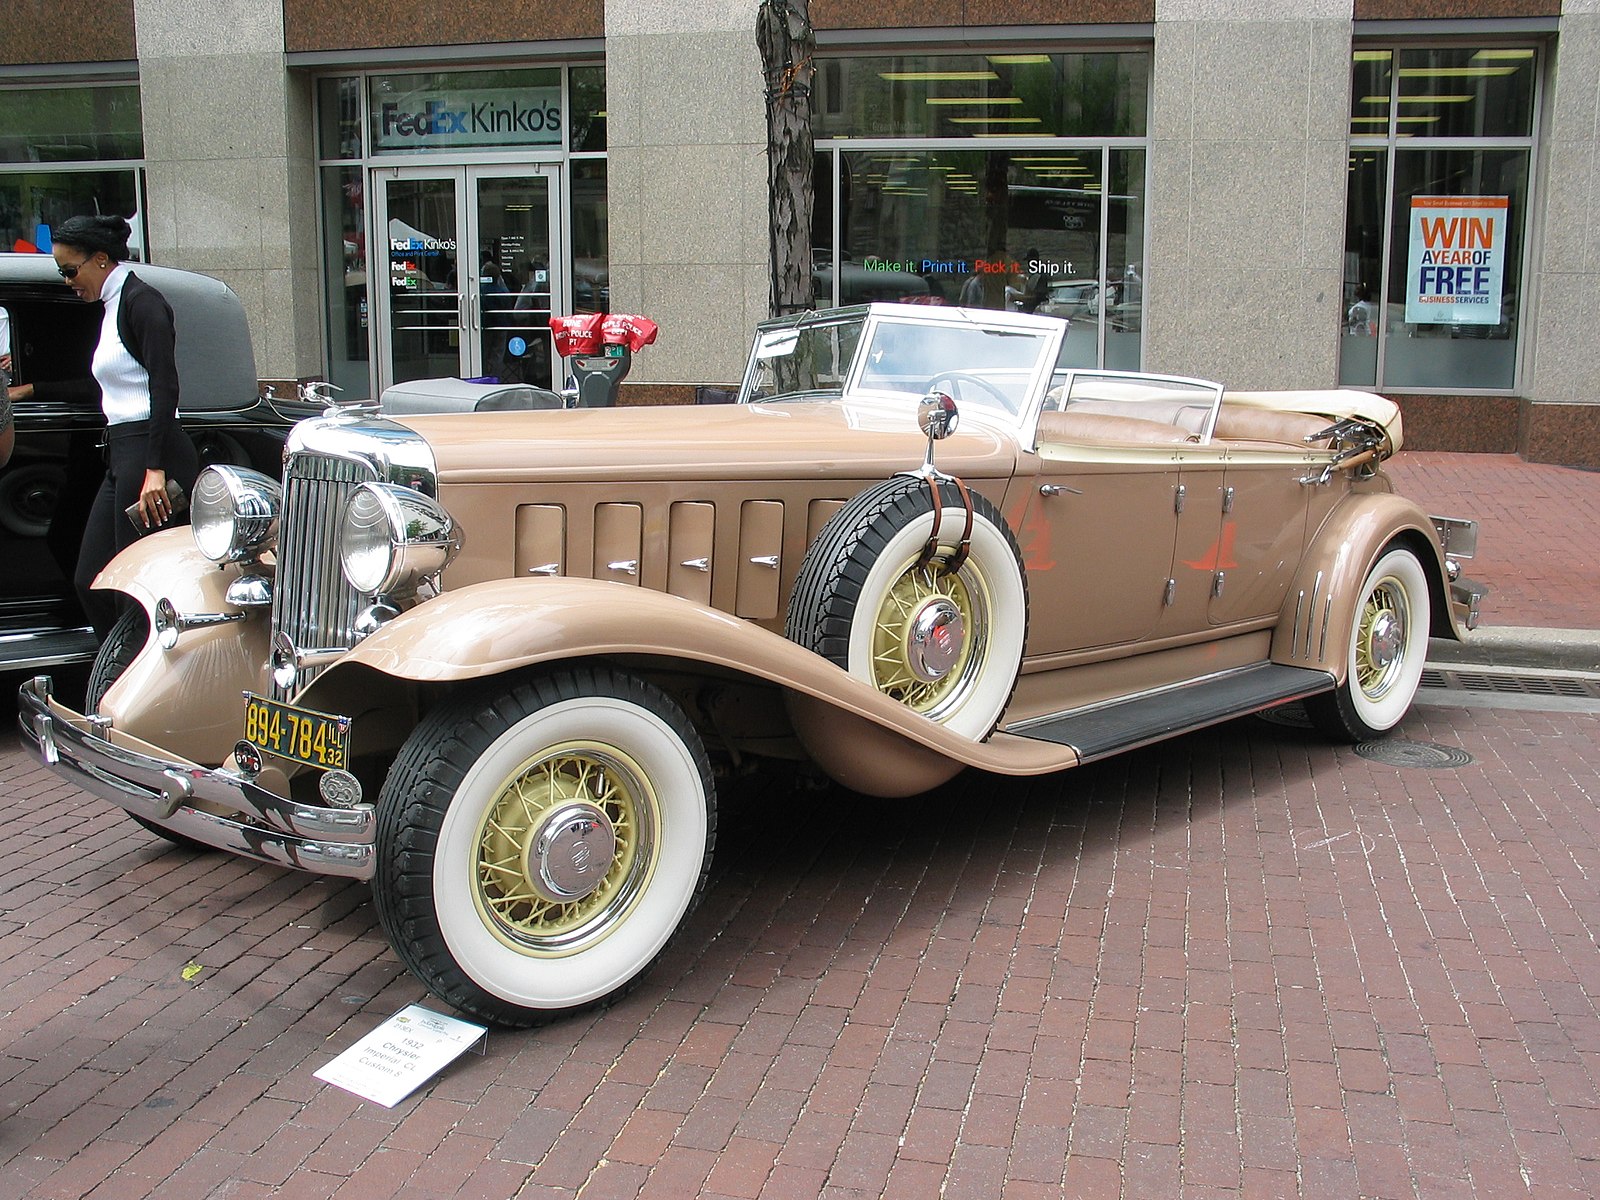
[(109, 531)]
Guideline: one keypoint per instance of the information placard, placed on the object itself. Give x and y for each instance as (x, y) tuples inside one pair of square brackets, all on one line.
[(401, 1055)]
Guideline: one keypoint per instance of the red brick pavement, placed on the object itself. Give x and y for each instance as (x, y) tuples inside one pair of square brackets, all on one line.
[(1539, 532), (1243, 964)]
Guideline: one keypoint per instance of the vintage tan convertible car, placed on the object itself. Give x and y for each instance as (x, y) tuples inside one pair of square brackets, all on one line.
[(494, 663)]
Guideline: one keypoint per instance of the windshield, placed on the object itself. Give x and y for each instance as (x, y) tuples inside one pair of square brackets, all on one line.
[(977, 364), (990, 365), (804, 363)]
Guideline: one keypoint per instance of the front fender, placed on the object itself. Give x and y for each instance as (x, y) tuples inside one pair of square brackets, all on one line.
[(187, 699), (858, 735), (1314, 626)]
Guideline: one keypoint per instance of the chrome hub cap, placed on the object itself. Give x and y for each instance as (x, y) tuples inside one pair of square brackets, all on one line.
[(570, 852), (1381, 640), (927, 638), (935, 637), (566, 848)]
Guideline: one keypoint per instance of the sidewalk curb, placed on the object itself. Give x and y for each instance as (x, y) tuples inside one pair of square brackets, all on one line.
[(1510, 646)]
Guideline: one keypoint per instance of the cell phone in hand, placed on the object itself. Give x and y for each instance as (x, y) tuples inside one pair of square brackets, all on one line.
[(176, 503)]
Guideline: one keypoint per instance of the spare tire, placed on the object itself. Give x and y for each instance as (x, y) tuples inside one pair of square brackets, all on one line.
[(943, 636)]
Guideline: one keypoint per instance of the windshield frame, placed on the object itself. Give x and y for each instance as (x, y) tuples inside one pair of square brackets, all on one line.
[(1045, 334)]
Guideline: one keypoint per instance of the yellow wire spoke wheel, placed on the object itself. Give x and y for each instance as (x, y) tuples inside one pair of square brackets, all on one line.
[(928, 634), (564, 849)]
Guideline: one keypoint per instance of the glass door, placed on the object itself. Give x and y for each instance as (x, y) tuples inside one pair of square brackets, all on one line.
[(421, 318), (471, 273), (515, 242)]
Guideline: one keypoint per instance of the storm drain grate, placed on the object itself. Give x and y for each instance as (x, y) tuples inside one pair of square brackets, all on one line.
[(1395, 752), (1454, 679)]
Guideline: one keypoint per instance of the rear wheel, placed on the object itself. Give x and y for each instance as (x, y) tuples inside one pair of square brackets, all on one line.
[(122, 645), (539, 846), (1388, 647)]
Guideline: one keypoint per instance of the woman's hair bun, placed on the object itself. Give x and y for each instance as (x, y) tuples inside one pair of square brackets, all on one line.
[(96, 234)]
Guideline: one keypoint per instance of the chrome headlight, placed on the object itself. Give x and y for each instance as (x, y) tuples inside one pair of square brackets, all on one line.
[(392, 538), (234, 513)]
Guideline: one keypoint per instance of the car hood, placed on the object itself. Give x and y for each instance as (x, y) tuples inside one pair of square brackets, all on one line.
[(216, 363), (763, 441)]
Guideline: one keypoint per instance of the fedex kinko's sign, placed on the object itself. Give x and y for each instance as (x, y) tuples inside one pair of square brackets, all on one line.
[(1457, 260), (454, 118)]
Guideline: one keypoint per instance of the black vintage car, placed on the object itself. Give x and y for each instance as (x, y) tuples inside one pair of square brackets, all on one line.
[(46, 488)]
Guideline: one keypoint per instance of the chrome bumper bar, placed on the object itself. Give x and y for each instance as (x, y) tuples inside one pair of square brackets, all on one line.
[(167, 792)]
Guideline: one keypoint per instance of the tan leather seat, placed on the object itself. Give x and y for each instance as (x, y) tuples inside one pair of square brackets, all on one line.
[(1241, 423), (1075, 427)]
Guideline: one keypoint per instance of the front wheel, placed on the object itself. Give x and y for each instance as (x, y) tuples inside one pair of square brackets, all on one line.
[(539, 846), (1388, 646)]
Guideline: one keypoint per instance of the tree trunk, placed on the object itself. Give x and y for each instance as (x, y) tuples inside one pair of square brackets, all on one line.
[(784, 34)]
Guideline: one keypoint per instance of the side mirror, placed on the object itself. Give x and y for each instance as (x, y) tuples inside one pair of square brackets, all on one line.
[(937, 416)]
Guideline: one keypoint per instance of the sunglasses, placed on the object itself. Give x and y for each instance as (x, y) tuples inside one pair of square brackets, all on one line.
[(72, 271)]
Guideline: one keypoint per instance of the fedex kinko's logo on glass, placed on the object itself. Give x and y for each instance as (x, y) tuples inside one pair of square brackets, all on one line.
[(486, 117), (1456, 266)]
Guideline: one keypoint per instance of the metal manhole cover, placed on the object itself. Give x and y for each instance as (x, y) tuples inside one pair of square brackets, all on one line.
[(1291, 716), (1395, 752)]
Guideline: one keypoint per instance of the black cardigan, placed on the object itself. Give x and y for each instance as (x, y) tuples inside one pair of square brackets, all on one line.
[(146, 326)]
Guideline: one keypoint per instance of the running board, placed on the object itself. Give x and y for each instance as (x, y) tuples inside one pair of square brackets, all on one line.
[(1109, 729)]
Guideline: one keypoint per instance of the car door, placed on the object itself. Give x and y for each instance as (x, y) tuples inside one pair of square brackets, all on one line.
[(1097, 539), (56, 466)]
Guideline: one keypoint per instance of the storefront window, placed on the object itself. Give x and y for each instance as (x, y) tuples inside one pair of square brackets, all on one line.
[(344, 244), (339, 117), (79, 124), (34, 202), (1440, 162), (1026, 222), (591, 274), (587, 86), (983, 95), (57, 137)]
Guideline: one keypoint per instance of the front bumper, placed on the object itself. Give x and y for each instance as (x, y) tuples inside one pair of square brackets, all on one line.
[(191, 800)]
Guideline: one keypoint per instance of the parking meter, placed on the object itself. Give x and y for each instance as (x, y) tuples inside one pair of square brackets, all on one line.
[(600, 348)]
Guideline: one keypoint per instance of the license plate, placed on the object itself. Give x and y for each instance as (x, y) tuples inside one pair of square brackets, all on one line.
[(316, 739)]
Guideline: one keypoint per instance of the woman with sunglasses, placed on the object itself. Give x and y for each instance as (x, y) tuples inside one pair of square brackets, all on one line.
[(135, 377)]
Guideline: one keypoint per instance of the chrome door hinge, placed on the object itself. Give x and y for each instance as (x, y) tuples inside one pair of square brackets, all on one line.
[(1227, 500), (1177, 498), (1172, 591), (1217, 581)]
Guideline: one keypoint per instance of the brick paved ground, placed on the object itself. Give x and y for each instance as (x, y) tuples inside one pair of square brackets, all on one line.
[(1242, 964), (1539, 532)]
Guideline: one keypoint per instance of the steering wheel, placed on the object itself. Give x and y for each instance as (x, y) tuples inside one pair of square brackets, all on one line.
[(960, 377)]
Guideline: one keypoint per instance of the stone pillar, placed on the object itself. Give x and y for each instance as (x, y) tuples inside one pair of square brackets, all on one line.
[(1562, 375), (687, 192), (230, 166), (1249, 137)]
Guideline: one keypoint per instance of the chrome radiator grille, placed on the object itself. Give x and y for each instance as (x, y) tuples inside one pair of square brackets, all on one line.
[(312, 605)]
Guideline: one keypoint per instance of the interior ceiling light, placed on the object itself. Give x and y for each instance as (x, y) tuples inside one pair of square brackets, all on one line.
[(1417, 120), (1437, 99), (1045, 158), (1017, 60), (1455, 72), (997, 120), (1503, 53), (972, 100), (936, 76), (1372, 55)]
